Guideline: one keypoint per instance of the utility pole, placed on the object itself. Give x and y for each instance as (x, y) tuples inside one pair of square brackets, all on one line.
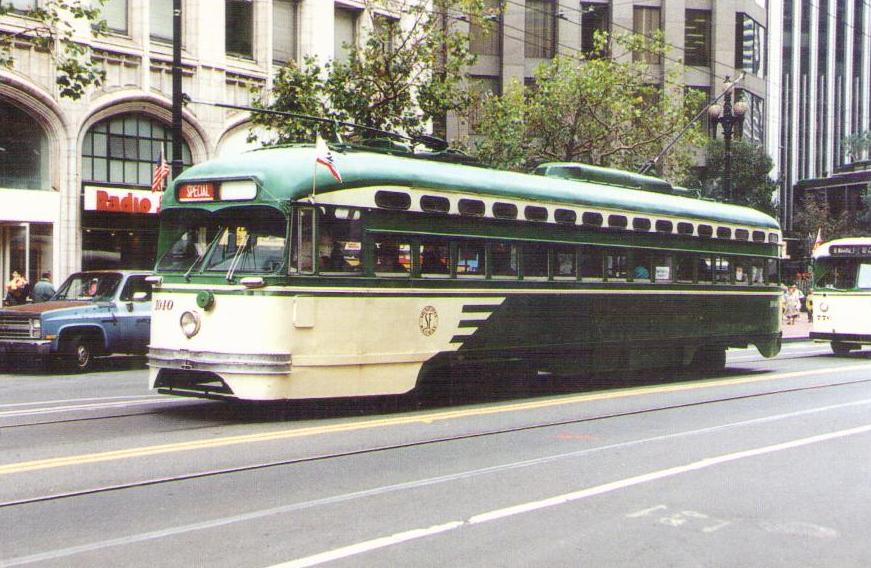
[(177, 97)]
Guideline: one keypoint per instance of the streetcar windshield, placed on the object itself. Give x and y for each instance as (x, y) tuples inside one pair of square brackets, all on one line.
[(843, 273), (244, 239), (193, 231), (254, 242)]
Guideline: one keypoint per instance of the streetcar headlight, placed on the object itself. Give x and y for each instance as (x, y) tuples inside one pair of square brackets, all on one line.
[(190, 323), (35, 328)]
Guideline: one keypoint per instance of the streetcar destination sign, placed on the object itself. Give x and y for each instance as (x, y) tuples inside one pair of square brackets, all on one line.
[(850, 250), (196, 192)]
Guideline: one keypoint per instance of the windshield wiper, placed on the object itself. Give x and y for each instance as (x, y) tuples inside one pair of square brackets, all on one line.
[(239, 251), (201, 256)]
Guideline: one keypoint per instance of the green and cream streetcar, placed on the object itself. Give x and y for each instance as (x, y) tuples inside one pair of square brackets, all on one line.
[(842, 294), (278, 280)]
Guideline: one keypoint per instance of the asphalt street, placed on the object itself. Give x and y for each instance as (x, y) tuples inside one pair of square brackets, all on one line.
[(765, 464)]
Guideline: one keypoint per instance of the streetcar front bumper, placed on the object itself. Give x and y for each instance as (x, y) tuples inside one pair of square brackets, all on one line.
[(209, 374)]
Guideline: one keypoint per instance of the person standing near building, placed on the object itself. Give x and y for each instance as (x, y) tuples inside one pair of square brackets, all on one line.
[(16, 290), (43, 290)]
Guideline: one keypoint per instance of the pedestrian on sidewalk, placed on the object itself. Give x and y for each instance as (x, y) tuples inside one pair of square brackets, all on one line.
[(793, 304), (43, 290)]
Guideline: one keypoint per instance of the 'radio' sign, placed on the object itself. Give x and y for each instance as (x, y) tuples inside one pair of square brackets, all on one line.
[(114, 200)]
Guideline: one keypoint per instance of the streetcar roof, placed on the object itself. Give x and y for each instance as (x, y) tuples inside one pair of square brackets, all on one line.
[(862, 247), (285, 173)]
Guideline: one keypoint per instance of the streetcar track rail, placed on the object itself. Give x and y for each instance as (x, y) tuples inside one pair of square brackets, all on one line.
[(419, 443), (736, 359)]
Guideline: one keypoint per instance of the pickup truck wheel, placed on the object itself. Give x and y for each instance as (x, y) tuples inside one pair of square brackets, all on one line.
[(80, 354)]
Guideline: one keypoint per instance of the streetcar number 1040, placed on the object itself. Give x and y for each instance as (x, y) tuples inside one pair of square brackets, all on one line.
[(162, 305)]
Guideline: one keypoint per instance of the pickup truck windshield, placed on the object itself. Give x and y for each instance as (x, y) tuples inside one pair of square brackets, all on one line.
[(89, 286)]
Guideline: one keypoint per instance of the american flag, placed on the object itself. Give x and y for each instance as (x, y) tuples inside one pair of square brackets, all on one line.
[(161, 172), (325, 157)]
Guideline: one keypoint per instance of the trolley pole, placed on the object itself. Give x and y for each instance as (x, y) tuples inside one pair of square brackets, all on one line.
[(177, 96)]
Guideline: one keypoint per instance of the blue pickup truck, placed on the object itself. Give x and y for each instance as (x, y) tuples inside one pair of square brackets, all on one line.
[(92, 314)]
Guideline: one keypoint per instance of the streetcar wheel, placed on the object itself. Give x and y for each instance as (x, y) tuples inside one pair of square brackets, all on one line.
[(80, 354), (841, 349), (710, 359)]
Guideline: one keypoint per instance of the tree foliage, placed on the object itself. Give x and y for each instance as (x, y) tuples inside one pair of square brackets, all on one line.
[(408, 71), (51, 26), (607, 111), (858, 144), (751, 185)]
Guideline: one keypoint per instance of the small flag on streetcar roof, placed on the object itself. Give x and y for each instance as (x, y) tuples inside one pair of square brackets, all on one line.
[(161, 172), (819, 240), (325, 157)]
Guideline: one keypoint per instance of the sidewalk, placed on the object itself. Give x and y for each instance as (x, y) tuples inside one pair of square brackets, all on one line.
[(797, 332)]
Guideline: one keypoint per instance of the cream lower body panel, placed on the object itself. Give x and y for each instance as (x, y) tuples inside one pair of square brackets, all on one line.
[(390, 376)]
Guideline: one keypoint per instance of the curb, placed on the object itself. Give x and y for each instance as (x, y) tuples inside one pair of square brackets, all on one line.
[(795, 339)]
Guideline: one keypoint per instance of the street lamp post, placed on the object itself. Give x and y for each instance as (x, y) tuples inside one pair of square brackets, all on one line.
[(729, 116)]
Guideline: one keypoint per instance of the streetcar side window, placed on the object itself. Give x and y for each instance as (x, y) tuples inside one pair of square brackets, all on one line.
[(435, 258), (534, 260), (757, 272), (616, 265), (685, 268), (392, 256), (470, 259), (340, 247), (662, 268), (742, 271), (773, 274), (565, 262), (591, 264), (641, 263), (705, 272), (503, 259), (722, 267), (303, 253)]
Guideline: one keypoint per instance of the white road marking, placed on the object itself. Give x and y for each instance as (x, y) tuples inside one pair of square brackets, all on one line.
[(70, 400), (386, 489), (78, 407)]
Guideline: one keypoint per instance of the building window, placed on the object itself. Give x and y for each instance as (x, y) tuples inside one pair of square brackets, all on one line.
[(161, 20), (480, 87), (114, 12), (487, 40), (124, 150), (20, 5), (540, 28), (703, 97), (594, 18), (646, 22), (749, 45), (386, 29), (239, 27), (697, 38), (24, 159), (345, 33), (285, 29), (754, 119)]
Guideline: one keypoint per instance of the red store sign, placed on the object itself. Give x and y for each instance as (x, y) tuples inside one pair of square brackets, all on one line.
[(114, 200)]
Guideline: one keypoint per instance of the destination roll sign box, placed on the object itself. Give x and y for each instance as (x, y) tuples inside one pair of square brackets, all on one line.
[(850, 250), (196, 192)]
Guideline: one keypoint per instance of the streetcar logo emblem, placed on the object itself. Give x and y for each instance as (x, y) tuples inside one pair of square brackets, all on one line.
[(429, 321)]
